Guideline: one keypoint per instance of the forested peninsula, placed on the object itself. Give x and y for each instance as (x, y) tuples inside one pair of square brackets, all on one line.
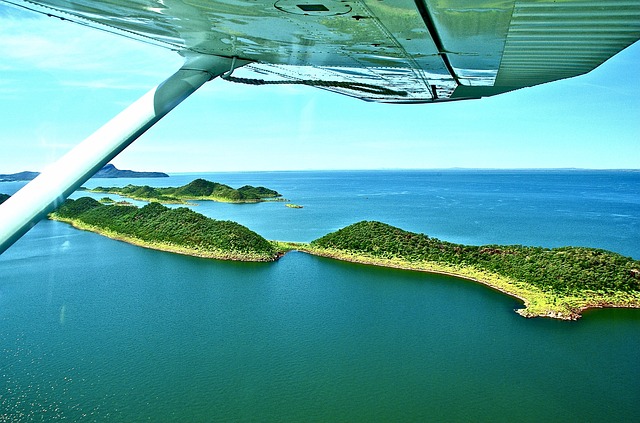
[(199, 189), (178, 230), (559, 282)]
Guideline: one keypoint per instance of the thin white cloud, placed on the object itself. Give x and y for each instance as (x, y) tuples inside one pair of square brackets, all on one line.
[(49, 44), (8, 86), (107, 84)]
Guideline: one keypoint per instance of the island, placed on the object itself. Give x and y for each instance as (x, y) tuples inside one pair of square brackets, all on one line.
[(559, 283), (4, 197), (199, 189), (108, 171), (178, 230)]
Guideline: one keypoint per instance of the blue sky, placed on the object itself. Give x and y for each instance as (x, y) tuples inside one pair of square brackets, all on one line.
[(59, 82)]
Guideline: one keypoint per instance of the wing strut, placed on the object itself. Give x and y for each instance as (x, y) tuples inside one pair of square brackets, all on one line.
[(46, 192)]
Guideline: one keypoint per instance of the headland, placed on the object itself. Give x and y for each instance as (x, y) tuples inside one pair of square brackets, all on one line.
[(559, 283), (179, 230)]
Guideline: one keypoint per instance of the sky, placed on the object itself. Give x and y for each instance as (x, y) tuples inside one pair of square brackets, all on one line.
[(59, 82)]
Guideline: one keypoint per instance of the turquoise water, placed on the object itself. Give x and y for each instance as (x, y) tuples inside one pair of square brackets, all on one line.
[(98, 330)]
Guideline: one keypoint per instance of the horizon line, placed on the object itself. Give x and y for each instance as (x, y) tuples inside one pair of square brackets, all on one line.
[(417, 169), (455, 168)]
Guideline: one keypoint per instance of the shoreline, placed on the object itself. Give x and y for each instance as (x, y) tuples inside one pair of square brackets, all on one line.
[(537, 303), (167, 247), (186, 200)]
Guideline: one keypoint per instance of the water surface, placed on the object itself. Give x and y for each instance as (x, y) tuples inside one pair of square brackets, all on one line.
[(96, 329)]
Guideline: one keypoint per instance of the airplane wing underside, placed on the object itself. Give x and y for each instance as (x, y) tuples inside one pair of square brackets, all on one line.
[(379, 50), (397, 51)]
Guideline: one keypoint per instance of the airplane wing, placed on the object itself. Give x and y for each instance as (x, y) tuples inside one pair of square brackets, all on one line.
[(404, 51), (397, 51)]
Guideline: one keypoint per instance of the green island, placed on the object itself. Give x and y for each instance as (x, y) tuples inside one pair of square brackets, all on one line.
[(558, 283), (177, 230), (199, 189)]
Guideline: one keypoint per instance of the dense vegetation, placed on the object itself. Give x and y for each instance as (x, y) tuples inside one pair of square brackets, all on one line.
[(559, 282), (562, 271), (3, 198), (199, 189), (178, 227)]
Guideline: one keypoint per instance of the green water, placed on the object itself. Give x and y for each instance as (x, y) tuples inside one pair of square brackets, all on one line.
[(103, 331), (97, 330)]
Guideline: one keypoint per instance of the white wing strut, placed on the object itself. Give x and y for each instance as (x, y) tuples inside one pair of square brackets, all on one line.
[(46, 192)]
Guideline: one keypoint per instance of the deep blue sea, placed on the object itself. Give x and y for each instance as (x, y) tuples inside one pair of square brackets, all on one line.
[(93, 329)]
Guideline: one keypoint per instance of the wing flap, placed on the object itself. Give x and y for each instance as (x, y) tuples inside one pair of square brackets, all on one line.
[(548, 41)]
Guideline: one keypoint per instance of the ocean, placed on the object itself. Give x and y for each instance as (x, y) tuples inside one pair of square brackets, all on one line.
[(93, 329)]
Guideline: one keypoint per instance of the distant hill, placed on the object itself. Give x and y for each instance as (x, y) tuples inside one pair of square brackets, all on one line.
[(4, 197), (20, 176), (108, 171)]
